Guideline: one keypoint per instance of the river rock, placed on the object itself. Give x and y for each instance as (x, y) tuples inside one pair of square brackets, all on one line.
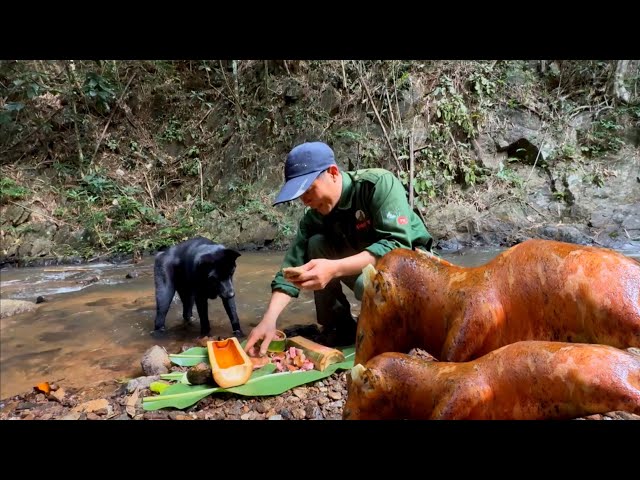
[(155, 361)]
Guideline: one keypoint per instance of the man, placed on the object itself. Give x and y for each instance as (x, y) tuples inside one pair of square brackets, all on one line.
[(353, 219)]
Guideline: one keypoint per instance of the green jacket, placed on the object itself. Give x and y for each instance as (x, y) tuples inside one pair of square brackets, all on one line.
[(373, 214)]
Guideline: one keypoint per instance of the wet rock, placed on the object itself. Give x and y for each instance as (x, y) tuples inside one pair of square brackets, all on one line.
[(10, 307), (40, 299), (141, 383), (199, 374), (89, 280), (57, 395), (131, 275), (155, 361)]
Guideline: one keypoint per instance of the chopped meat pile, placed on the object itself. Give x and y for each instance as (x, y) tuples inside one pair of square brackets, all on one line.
[(291, 359)]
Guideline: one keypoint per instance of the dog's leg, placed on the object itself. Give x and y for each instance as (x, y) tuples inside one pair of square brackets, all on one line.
[(165, 290), (187, 304), (230, 308), (203, 313)]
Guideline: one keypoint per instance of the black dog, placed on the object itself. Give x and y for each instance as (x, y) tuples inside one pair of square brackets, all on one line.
[(197, 269)]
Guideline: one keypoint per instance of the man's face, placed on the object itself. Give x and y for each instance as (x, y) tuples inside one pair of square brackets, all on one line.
[(323, 194)]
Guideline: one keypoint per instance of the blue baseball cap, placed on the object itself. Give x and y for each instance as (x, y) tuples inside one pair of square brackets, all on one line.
[(304, 164)]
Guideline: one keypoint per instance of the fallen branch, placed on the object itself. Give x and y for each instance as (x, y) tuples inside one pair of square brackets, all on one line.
[(534, 208), (537, 156), (104, 131), (205, 116), (153, 203)]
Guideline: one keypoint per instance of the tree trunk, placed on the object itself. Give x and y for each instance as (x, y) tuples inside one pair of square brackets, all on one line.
[(618, 87)]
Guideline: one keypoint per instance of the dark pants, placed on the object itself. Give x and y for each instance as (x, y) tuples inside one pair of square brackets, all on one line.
[(332, 307)]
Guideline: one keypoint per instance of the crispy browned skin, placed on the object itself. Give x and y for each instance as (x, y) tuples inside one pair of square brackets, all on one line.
[(531, 380), (537, 290)]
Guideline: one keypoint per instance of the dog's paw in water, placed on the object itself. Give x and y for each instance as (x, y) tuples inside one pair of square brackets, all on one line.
[(239, 334), (159, 333)]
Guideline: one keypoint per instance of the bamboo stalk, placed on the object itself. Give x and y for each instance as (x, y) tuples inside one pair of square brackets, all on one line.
[(411, 157), (344, 75), (235, 100), (321, 355), (153, 203), (201, 182), (395, 91), (393, 120)]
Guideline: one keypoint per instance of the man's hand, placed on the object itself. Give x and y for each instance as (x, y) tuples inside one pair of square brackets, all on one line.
[(317, 273), (265, 330)]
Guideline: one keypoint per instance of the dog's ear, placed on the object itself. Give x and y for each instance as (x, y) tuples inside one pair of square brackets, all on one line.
[(208, 254), (231, 254), (211, 254)]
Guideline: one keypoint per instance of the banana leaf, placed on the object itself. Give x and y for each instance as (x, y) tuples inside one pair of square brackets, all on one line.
[(263, 382), (194, 356), (183, 395), (177, 376), (158, 387), (190, 357)]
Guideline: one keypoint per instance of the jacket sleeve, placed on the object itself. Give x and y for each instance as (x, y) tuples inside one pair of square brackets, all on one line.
[(295, 256), (391, 216)]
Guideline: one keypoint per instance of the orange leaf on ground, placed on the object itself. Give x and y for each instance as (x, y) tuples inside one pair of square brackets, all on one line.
[(43, 387)]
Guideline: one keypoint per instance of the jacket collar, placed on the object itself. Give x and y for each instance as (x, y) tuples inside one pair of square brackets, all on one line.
[(347, 192)]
